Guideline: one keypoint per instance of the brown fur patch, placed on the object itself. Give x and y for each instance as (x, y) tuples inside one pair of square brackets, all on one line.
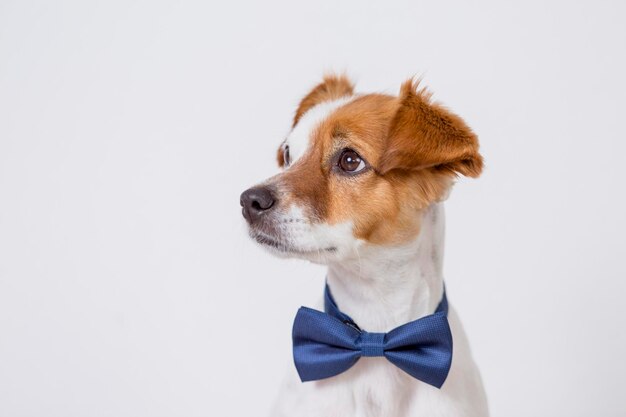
[(307, 183)]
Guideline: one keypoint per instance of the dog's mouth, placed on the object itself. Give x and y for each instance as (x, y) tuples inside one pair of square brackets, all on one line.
[(276, 244)]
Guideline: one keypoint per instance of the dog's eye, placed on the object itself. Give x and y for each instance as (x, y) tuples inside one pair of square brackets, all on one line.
[(286, 156), (351, 162)]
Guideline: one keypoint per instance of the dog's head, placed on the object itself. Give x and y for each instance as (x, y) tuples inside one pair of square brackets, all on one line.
[(358, 169)]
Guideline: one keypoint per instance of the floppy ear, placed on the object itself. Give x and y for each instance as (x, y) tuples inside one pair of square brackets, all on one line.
[(331, 88), (424, 134)]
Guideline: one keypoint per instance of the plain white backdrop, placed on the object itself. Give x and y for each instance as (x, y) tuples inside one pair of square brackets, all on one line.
[(128, 286)]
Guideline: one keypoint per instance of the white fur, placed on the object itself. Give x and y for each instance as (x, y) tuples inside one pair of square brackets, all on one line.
[(382, 288), (300, 137), (311, 241)]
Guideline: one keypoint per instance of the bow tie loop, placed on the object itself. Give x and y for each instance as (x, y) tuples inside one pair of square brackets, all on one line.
[(371, 344)]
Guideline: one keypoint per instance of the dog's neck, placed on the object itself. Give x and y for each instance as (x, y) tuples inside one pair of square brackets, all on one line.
[(385, 287)]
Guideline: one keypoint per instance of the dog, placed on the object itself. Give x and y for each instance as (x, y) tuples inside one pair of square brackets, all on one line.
[(361, 190)]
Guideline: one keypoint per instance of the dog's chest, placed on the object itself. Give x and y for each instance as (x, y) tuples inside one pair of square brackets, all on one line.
[(371, 388), (380, 389)]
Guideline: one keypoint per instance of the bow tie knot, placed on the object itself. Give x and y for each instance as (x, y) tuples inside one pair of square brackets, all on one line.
[(327, 344), (371, 344)]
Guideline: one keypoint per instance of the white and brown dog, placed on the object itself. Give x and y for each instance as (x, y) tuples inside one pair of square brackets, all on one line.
[(361, 189)]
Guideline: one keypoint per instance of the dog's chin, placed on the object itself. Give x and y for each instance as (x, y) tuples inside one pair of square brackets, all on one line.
[(283, 248)]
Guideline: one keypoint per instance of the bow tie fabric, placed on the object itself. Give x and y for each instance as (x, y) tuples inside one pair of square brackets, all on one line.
[(327, 344)]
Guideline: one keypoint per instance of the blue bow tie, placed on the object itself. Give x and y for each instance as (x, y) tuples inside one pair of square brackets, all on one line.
[(327, 344)]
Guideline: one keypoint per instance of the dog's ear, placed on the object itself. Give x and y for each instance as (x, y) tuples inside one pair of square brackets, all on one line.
[(331, 88), (424, 134)]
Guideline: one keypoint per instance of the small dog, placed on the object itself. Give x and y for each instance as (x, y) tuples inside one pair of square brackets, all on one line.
[(361, 189)]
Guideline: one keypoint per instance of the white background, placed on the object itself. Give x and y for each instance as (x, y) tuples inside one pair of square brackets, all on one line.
[(128, 286)]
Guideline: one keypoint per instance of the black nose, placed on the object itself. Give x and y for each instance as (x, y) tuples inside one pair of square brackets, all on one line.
[(255, 202)]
